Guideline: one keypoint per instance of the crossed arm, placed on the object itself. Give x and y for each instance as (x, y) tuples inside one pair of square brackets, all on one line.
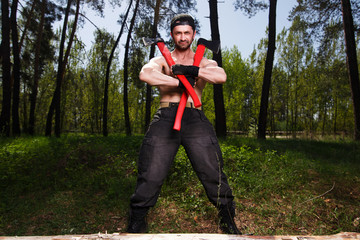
[(157, 73), (211, 72)]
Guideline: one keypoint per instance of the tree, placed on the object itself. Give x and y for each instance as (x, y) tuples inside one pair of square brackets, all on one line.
[(6, 69), (16, 70), (319, 14), (251, 7), (137, 57), (126, 63), (56, 101), (106, 86), (220, 118), (291, 51), (152, 53), (352, 63), (34, 90), (239, 88), (28, 16), (93, 77), (37, 51), (268, 71)]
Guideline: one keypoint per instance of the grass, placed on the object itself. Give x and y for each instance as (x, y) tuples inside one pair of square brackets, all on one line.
[(80, 184)]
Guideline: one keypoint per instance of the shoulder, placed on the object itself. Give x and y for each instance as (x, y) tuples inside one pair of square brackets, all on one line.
[(160, 60), (156, 63)]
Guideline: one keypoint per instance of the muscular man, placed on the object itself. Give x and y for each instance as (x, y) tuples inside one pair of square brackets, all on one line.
[(197, 135)]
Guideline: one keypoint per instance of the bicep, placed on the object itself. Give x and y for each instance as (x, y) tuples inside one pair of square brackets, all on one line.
[(153, 66)]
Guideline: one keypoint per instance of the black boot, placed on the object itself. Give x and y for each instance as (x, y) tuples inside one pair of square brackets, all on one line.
[(137, 220), (227, 223)]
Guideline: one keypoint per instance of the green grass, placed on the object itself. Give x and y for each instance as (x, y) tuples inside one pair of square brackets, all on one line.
[(80, 184)]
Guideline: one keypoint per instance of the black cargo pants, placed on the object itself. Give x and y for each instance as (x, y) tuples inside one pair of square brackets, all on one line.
[(160, 146)]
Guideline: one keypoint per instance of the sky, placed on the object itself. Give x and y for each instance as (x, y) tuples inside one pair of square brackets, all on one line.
[(240, 30), (235, 28)]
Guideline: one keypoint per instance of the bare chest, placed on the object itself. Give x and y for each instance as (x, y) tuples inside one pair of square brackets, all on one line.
[(188, 61)]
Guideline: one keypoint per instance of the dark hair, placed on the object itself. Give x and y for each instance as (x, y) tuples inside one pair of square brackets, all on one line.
[(182, 19)]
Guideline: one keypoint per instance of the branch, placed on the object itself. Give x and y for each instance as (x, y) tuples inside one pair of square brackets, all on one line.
[(320, 195)]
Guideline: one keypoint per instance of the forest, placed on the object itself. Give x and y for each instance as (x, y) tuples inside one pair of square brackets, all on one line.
[(301, 81)]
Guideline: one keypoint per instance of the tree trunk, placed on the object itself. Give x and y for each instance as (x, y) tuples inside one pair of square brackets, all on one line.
[(352, 63), (152, 53), (56, 96), (62, 62), (34, 90), (61, 76), (268, 71), (108, 67), (16, 71), (27, 24), (6, 70), (220, 118), (126, 61)]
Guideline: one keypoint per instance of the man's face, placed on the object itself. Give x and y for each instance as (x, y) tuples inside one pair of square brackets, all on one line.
[(183, 35)]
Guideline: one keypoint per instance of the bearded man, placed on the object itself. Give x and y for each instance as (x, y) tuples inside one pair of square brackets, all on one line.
[(197, 135)]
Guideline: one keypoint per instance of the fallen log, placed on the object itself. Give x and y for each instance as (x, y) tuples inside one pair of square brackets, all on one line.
[(201, 236)]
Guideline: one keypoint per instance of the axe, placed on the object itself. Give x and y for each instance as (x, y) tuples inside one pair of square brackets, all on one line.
[(167, 55), (201, 45)]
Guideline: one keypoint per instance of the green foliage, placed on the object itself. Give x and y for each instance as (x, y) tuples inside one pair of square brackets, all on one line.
[(238, 91), (309, 95)]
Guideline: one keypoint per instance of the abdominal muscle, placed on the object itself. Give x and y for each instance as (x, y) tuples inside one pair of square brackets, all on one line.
[(171, 94)]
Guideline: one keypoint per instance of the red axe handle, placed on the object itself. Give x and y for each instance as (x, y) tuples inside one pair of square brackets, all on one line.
[(180, 111), (167, 55)]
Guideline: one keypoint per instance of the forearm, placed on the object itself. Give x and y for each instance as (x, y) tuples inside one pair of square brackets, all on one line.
[(212, 74), (209, 72), (158, 79), (153, 74)]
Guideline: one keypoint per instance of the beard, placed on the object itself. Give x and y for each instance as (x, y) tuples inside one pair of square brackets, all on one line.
[(183, 45)]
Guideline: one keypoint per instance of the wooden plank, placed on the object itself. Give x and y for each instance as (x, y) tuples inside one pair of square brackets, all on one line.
[(201, 236)]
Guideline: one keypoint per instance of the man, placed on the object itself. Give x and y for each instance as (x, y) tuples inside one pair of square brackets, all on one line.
[(197, 135)]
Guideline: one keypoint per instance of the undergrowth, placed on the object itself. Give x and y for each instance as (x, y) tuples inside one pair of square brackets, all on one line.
[(81, 184)]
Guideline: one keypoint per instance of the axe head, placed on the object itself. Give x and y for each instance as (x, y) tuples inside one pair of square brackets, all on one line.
[(151, 41), (212, 45)]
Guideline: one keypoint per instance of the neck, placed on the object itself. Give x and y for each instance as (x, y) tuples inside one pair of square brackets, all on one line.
[(182, 55)]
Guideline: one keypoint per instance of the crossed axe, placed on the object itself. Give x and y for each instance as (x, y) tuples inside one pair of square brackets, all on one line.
[(189, 90)]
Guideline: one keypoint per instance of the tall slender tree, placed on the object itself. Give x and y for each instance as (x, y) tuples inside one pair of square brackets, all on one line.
[(220, 118), (6, 69), (352, 63), (35, 84), (56, 96), (268, 71), (108, 68), (16, 70), (251, 7), (126, 75), (56, 101), (152, 53)]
